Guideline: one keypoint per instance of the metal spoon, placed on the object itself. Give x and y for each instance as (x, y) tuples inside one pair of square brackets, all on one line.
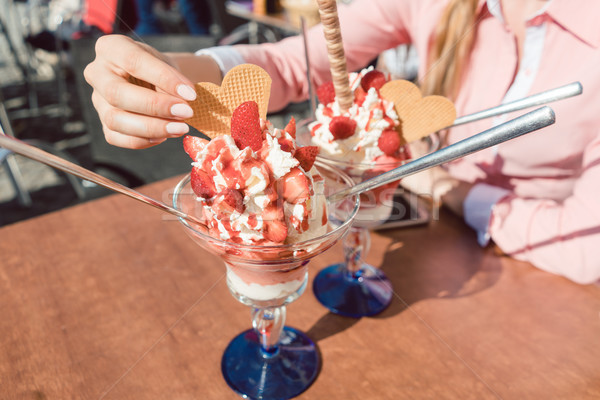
[(53, 161), (559, 93), (514, 128)]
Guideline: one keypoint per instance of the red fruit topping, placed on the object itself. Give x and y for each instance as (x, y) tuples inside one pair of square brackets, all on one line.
[(226, 203), (306, 156), (202, 183), (193, 145), (275, 228), (296, 186), (389, 142), (245, 169), (234, 199), (275, 231), (245, 126), (359, 96), (328, 112), (374, 79), (271, 192), (326, 93), (314, 129), (286, 144), (342, 127), (291, 127)]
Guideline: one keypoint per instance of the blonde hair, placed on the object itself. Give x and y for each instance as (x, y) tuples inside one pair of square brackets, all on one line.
[(451, 48)]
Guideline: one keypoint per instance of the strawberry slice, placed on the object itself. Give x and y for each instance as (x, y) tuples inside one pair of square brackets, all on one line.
[(202, 183), (359, 96), (291, 127), (245, 126), (389, 142), (234, 199), (296, 187), (306, 156), (342, 127), (193, 145), (275, 228), (228, 201), (286, 144), (275, 231), (374, 79), (326, 93)]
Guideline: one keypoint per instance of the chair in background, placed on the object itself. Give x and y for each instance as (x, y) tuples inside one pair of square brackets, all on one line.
[(8, 161)]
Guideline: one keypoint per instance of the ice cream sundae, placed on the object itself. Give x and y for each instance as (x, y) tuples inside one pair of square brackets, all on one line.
[(256, 187), (368, 132)]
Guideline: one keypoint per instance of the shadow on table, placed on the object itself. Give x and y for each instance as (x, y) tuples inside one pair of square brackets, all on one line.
[(455, 266)]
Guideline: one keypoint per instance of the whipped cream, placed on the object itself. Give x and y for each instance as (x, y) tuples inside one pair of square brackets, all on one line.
[(372, 117), (261, 215)]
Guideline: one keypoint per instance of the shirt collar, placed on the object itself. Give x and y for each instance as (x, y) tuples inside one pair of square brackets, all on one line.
[(578, 17), (575, 16)]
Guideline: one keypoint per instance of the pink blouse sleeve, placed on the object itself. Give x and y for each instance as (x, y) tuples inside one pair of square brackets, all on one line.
[(562, 238), (368, 28)]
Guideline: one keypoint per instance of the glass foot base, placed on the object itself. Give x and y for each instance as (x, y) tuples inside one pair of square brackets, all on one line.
[(369, 293), (283, 375)]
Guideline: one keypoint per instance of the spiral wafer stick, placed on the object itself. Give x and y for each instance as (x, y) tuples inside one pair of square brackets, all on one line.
[(335, 51)]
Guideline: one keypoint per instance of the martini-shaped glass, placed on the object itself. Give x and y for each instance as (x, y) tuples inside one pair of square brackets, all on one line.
[(352, 287), (271, 360)]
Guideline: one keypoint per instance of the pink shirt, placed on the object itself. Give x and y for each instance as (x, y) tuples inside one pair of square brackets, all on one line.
[(551, 216)]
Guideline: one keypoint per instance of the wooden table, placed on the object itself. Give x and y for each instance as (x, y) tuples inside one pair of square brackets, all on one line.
[(111, 300)]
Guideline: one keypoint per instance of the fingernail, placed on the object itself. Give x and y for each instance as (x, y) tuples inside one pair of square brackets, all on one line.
[(182, 110), (157, 140), (177, 128), (186, 92)]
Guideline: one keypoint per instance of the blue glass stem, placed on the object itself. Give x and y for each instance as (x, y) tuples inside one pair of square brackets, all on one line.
[(354, 288), (356, 244), (268, 323)]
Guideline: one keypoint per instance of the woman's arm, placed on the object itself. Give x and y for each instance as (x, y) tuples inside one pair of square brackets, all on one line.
[(368, 28), (562, 238)]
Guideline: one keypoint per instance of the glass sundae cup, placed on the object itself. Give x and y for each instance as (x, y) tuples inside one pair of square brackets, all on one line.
[(271, 360), (354, 288)]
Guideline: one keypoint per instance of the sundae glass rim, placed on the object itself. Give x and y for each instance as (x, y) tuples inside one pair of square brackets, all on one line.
[(303, 135), (279, 247)]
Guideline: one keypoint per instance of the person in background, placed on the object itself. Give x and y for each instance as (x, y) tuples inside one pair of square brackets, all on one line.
[(196, 14), (537, 197)]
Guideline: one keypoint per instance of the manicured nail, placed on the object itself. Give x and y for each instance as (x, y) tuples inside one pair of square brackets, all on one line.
[(177, 128), (186, 92), (157, 140), (182, 110)]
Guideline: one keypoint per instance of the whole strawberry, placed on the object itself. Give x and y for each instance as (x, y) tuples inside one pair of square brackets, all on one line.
[(326, 93), (342, 127), (389, 142), (375, 79)]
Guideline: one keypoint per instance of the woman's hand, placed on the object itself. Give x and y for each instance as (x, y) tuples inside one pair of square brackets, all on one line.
[(455, 196), (133, 116)]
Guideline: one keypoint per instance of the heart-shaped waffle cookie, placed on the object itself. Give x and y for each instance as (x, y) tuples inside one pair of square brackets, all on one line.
[(214, 104), (419, 116)]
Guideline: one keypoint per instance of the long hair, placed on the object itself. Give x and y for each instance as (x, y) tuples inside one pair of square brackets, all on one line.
[(451, 48)]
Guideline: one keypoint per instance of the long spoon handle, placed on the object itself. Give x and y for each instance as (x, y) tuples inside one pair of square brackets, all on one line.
[(559, 93), (514, 128), (26, 150)]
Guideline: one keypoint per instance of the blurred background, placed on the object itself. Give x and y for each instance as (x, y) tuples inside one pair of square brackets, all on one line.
[(44, 47)]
